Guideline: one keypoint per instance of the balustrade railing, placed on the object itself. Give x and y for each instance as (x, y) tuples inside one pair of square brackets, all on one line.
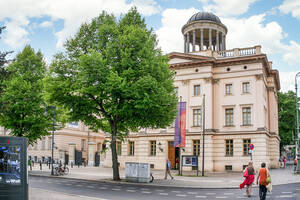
[(240, 52)]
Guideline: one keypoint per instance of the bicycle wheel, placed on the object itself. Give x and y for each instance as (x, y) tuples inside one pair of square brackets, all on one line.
[(66, 171)]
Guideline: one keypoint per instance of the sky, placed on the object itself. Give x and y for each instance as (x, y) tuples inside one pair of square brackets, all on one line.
[(273, 24)]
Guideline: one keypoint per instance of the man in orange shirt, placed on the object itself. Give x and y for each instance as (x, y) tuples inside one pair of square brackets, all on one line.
[(262, 177)]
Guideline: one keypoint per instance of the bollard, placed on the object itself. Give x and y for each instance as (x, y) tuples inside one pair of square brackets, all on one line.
[(49, 165), (78, 164), (71, 164), (41, 165)]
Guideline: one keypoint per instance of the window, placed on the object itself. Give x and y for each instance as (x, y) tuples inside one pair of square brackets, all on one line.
[(229, 117), (119, 148), (229, 147), (176, 91), (228, 167), (83, 144), (131, 148), (246, 116), (197, 117), (196, 90), (246, 143), (246, 87), (228, 89), (152, 148), (196, 147)]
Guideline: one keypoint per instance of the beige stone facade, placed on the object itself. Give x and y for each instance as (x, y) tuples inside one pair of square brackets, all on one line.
[(240, 90)]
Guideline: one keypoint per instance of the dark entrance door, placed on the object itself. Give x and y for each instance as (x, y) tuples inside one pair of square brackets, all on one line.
[(97, 159), (78, 157), (177, 157), (66, 159)]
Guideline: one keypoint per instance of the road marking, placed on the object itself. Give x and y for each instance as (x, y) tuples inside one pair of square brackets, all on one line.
[(181, 195), (144, 189), (146, 192), (221, 197), (242, 197), (163, 193), (103, 188), (79, 185), (68, 184), (286, 192), (203, 197), (159, 190), (175, 191), (90, 186), (210, 193), (228, 193), (116, 189), (130, 190), (285, 196), (192, 192)]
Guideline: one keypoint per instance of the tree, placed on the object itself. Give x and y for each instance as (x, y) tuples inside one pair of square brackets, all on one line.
[(22, 106), (113, 77), (286, 116)]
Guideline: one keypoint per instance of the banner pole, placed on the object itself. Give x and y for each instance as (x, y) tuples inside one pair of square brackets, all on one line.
[(203, 133)]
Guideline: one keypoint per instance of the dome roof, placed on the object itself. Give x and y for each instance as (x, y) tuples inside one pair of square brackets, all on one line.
[(204, 16)]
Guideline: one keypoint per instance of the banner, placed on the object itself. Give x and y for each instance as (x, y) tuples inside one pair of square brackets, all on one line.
[(180, 125)]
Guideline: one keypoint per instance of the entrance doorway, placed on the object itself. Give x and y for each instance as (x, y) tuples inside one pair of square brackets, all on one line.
[(173, 155)]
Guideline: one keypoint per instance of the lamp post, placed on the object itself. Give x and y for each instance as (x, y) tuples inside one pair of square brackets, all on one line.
[(53, 129), (297, 125), (203, 132)]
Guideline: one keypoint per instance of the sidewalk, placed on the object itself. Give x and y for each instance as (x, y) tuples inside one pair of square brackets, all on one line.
[(210, 180)]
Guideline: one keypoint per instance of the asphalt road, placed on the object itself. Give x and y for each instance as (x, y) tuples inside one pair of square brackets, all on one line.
[(120, 191)]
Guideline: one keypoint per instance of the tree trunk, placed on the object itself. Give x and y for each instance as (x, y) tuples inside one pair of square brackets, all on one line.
[(115, 164)]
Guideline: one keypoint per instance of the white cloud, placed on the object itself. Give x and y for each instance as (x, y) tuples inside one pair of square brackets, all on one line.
[(169, 35), (228, 7), (46, 24), (17, 36), (72, 12), (287, 81), (291, 6)]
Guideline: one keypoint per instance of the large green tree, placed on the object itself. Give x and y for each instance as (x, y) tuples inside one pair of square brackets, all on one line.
[(287, 115), (22, 108), (113, 77)]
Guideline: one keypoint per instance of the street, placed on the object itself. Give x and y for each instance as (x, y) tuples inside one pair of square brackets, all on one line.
[(43, 187)]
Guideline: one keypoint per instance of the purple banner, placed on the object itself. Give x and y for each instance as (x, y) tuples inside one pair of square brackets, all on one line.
[(180, 125)]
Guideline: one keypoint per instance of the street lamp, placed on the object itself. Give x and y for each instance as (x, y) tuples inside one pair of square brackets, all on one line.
[(297, 125), (53, 129)]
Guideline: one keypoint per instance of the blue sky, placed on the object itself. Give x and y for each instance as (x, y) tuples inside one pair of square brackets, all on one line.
[(273, 24)]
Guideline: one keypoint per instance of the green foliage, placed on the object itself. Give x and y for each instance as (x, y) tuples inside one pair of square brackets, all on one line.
[(114, 78), (287, 115), (22, 104)]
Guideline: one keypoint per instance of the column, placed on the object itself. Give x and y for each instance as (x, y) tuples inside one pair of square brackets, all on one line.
[(184, 38), (222, 38), (188, 42), (217, 38), (224, 42), (72, 147), (201, 39), (210, 40), (194, 40), (92, 151)]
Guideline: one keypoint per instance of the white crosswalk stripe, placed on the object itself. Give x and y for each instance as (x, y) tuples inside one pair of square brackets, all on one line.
[(163, 194), (202, 197)]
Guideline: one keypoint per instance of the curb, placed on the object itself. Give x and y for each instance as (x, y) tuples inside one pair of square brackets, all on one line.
[(149, 184)]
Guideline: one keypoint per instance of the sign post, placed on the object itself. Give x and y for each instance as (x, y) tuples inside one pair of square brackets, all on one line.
[(251, 147)]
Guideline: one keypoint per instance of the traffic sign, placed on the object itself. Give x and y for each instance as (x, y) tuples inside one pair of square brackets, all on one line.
[(251, 146)]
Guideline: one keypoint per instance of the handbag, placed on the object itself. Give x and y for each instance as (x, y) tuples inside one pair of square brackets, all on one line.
[(268, 180), (269, 187)]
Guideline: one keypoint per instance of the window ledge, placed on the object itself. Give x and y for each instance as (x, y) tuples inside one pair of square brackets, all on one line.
[(196, 126), (247, 125), (246, 93), (228, 95), (228, 156), (227, 126)]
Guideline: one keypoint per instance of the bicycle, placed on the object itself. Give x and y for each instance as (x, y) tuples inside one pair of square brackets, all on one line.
[(60, 170)]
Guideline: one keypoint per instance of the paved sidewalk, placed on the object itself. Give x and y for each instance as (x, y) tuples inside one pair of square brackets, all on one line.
[(210, 180)]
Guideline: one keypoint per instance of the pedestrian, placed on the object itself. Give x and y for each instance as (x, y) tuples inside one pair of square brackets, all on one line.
[(177, 163), (295, 164), (280, 162), (249, 174), (168, 169), (262, 181), (284, 162)]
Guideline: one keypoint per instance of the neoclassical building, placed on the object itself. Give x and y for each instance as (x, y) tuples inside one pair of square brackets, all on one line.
[(240, 87)]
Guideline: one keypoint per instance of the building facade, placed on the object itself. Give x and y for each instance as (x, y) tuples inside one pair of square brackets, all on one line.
[(240, 88)]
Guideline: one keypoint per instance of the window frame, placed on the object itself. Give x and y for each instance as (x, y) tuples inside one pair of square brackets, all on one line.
[(229, 146), (152, 147), (131, 148), (197, 117), (231, 116), (119, 148), (246, 90), (246, 116), (246, 143), (228, 90), (196, 147), (197, 90)]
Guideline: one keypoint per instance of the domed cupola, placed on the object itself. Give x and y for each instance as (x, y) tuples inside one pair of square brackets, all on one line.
[(204, 31)]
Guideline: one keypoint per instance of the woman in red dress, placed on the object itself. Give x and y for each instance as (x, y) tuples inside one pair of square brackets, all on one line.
[(249, 175)]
